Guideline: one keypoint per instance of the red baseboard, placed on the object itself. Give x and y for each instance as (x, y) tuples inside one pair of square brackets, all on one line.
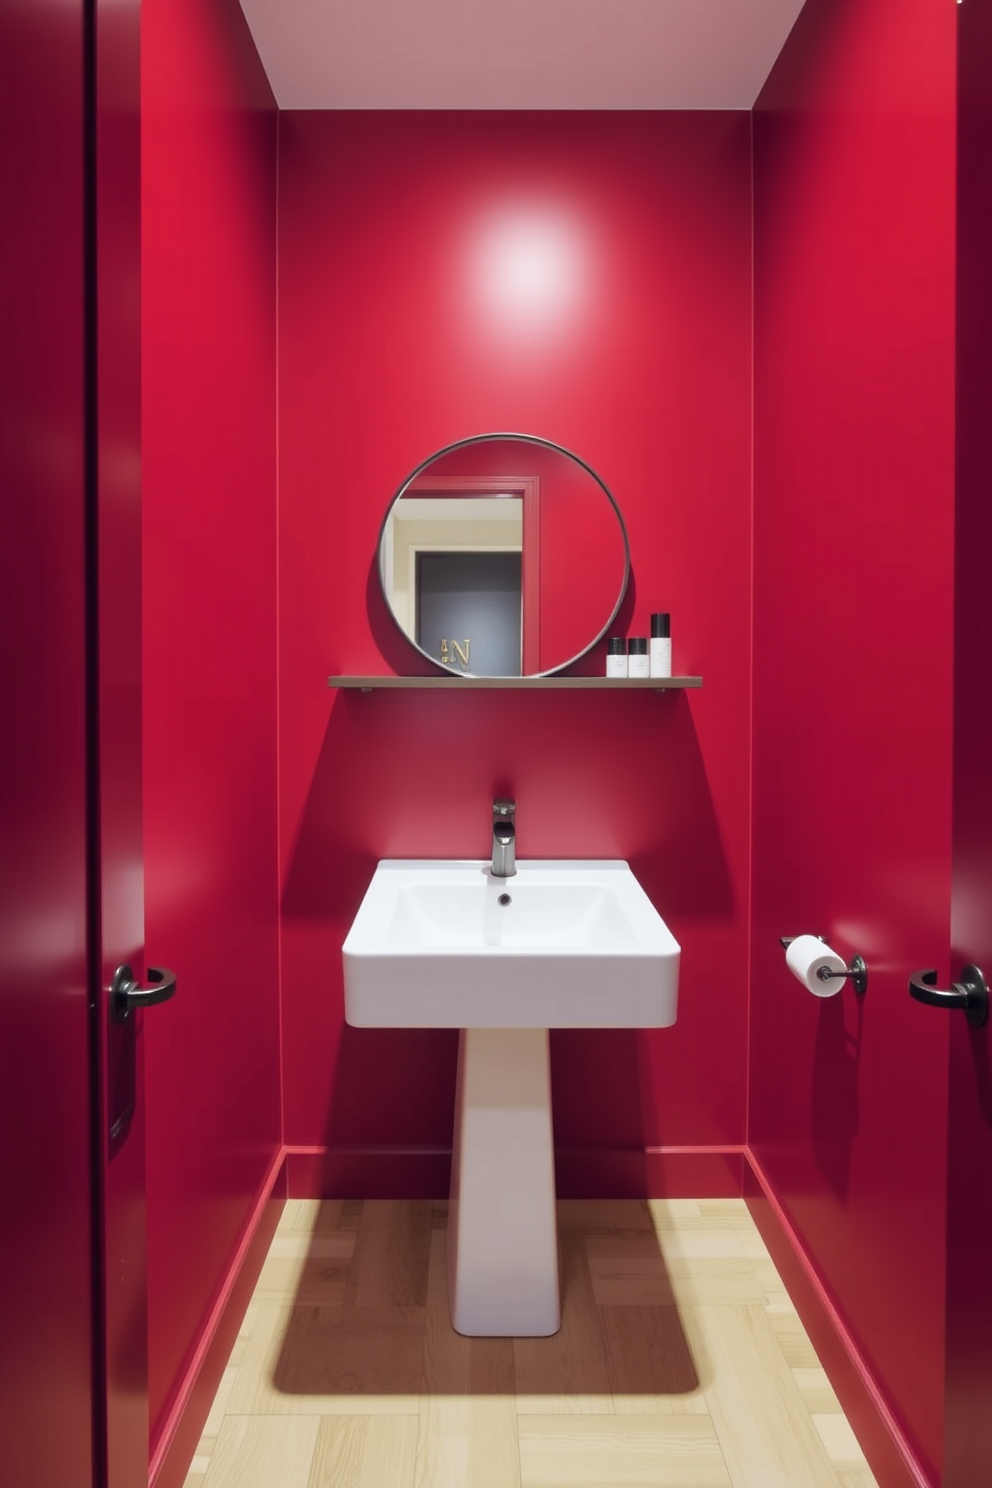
[(649, 1173), (368, 1172), (580, 1173), (175, 1445), (890, 1455)]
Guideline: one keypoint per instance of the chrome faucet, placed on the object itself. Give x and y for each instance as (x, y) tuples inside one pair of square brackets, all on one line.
[(504, 839)]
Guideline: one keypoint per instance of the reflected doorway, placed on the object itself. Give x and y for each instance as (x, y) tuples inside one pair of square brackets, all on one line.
[(468, 610)]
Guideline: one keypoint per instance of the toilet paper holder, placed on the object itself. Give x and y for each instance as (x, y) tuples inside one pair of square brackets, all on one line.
[(857, 971)]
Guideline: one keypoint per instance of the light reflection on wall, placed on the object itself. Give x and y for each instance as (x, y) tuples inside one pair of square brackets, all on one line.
[(530, 267)]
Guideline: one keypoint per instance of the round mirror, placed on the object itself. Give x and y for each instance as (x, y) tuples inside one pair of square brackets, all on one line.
[(503, 556)]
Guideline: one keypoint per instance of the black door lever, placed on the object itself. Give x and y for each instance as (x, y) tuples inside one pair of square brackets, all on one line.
[(970, 994), (126, 994)]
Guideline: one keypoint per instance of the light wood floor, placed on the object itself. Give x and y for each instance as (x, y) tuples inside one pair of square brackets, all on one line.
[(681, 1363)]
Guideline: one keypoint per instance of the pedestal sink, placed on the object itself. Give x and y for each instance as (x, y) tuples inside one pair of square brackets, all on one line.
[(561, 944)]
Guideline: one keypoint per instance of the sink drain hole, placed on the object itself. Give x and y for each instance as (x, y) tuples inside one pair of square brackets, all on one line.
[(504, 899)]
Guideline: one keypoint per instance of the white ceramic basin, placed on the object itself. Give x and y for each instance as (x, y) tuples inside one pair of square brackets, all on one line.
[(577, 945)]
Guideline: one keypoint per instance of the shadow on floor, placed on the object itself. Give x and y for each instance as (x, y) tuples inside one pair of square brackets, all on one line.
[(364, 1312)]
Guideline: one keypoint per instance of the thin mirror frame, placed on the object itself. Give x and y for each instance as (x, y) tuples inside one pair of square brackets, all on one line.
[(547, 444)]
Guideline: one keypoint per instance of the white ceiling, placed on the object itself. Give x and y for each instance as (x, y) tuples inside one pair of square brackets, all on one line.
[(518, 54)]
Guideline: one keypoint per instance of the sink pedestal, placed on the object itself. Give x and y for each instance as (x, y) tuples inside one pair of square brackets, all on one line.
[(502, 1230)]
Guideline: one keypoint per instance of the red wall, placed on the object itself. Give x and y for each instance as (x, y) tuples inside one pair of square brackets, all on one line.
[(208, 302), (854, 472), (393, 343), (45, 1235)]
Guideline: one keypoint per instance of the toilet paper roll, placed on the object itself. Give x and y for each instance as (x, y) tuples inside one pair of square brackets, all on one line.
[(804, 958)]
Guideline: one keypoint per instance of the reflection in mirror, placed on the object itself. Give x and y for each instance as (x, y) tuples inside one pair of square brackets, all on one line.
[(503, 555)]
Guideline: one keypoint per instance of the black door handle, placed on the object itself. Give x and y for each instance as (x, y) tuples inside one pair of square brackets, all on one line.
[(970, 994), (126, 994)]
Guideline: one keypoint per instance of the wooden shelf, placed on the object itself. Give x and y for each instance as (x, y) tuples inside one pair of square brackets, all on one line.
[(520, 684)]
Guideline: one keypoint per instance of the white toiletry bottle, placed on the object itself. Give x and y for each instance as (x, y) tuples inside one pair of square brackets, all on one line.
[(616, 657), (637, 657), (661, 645)]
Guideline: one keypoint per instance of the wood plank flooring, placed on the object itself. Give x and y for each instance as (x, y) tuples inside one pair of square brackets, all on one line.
[(680, 1363)]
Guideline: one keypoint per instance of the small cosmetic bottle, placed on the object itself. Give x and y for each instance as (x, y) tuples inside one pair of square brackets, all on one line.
[(616, 657), (661, 646), (637, 657)]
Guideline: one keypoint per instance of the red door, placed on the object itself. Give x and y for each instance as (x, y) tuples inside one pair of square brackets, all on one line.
[(46, 1381), (73, 1395), (968, 1388)]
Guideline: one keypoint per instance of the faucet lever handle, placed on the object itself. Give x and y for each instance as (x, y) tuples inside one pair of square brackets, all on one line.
[(504, 808)]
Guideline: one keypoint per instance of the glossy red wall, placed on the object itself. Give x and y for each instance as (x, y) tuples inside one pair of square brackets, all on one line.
[(208, 302), (46, 1257), (396, 338), (854, 473)]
